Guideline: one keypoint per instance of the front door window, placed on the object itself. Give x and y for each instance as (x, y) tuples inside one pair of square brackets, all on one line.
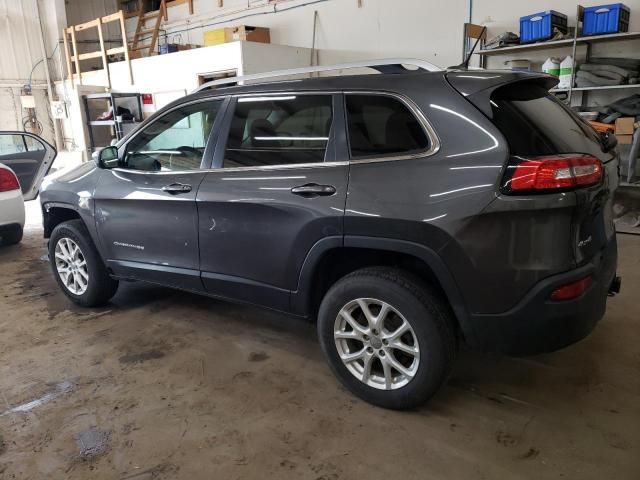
[(174, 142)]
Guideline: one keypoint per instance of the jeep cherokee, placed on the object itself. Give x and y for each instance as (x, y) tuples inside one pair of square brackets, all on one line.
[(404, 212)]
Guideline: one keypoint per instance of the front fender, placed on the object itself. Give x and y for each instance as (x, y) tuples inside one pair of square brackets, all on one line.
[(73, 189)]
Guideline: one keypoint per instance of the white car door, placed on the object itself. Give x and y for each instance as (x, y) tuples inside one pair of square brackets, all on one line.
[(29, 156)]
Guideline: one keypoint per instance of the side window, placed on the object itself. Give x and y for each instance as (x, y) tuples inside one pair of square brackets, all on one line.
[(176, 141), (33, 144), (282, 130), (12, 144), (380, 125)]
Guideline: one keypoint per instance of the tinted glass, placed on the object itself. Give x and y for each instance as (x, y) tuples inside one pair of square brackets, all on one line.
[(279, 130), (534, 123), (176, 141), (381, 125)]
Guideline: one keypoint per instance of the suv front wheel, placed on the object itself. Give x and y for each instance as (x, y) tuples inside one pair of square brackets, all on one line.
[(388, 337), (77, 266)]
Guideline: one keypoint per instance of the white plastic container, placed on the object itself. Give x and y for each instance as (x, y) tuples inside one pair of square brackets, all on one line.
[(523, 65), (551, 67), (566, 72)]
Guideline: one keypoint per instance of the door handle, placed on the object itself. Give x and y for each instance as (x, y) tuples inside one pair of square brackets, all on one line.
[(176, 188), (313, 190)]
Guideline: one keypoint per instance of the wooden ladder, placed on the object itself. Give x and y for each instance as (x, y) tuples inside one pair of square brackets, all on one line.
[(142, 30)]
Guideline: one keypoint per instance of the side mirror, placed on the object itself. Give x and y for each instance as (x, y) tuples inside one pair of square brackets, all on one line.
[(108, 157)]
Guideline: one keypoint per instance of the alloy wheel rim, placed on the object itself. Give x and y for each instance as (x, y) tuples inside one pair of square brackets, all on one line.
[(376, 344), (71, 266)]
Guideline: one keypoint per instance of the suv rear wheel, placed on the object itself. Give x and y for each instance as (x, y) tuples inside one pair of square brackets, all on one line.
[(77, 266), (388, 337)]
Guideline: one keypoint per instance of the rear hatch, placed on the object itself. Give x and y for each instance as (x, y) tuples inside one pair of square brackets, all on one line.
[(543, 133)]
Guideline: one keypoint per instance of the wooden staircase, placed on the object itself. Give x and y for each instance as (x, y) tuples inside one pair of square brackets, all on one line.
[(146, 37)]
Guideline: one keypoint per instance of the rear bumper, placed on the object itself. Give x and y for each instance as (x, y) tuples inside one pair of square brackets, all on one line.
[(538, 324), (11, 208)]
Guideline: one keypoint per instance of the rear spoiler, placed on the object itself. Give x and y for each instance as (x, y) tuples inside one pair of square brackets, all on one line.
[(479, 85)]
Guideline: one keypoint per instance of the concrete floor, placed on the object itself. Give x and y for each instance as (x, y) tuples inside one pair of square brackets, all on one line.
[(165, 385)]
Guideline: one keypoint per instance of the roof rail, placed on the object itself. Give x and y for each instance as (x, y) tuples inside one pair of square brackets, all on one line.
[(392, 65)]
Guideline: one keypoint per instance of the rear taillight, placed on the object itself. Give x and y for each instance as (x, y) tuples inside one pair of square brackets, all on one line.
[(571, 290), (8, 181), (548, 173)]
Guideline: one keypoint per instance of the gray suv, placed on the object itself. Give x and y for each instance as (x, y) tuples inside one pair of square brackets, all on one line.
[(404, 212)]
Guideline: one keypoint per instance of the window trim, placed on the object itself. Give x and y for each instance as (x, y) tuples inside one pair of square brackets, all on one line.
[(213, 136), (432, 137), (207, 165)]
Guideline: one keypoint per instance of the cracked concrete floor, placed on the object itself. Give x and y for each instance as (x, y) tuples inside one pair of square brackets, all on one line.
[(162, 384)]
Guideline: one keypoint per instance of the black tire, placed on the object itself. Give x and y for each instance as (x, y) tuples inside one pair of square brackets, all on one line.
[(12, 236), (426, 312), (100, 286)]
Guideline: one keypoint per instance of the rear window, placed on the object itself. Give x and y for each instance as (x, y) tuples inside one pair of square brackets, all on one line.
[(380, 125), (535, 123)]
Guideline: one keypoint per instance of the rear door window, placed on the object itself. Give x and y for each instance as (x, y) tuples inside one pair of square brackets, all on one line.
[(380, 125), (279, 130), (535, 123)]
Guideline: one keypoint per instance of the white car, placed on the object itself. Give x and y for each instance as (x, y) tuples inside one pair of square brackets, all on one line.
[(24, 160)]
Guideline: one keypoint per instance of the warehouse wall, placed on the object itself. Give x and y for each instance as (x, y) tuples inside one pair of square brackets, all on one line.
[(20, 60), (380, 28), (21, 52), (19, 37), (427, 29)]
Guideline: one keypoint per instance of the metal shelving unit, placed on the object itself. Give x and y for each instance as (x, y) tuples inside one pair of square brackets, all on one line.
[(113, 100), (613, 37), (604, 87), (573, 44)]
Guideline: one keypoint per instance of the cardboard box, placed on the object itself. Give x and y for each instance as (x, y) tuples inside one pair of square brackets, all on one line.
[(232, 34), (624, 125), (250, 34), (214, 37), (601, 127), (624, 139)]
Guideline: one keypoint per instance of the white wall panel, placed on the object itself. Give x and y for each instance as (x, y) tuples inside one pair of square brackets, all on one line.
[(19, 40), (428, 29), (380, 28)]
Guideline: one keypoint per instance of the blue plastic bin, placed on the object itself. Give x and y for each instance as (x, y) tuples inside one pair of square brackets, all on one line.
[(539, 26), (168, 48), (613, 18)]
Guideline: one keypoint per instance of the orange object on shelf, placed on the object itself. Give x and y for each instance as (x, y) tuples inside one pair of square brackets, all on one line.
[(602, 127)]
